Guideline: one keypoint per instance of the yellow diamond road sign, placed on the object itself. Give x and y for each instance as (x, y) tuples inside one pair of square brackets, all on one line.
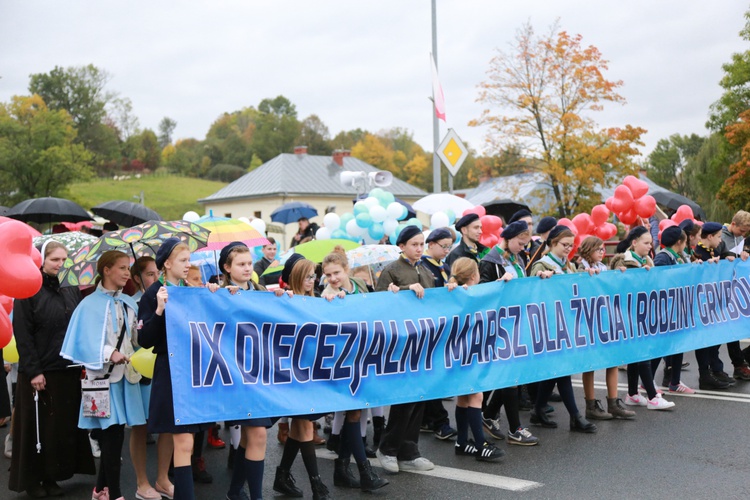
[(452, 152)]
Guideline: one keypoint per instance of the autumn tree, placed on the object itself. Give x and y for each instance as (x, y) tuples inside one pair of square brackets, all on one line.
[(38, 153), (539, 95)]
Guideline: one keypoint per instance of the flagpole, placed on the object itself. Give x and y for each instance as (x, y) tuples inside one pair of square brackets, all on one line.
[(436, 183)]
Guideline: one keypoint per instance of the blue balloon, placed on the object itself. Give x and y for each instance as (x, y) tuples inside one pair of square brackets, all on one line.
[(346, 218), (404, 213), (392, 238), (451, 216), (364, 220), (339, 234), (376, 231), (361, 208)]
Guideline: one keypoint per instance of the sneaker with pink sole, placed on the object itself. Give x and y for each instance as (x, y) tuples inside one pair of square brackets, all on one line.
[(681, 388), (659, 403)]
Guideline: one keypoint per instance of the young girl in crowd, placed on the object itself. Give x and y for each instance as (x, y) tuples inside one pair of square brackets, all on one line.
[(340, 284), (592, 252), (173, 260), (560, 243), (633, 254), (299, 275), (101, 336), (465, 272), (506, 261)]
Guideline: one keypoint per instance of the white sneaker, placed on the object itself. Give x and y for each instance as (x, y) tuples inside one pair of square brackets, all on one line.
[(418, 464), (636, 400), (95, 450), (659, 403), (8, 446), (387, 462)]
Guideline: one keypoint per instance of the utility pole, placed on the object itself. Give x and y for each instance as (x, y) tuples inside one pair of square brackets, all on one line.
[(436, 182)]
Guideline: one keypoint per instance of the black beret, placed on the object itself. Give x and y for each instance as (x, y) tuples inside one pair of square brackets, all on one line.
[(225, 254), (545, 224), (711, 228), (439, 234), (514, 229), (521, 213), (407, 233), (556, 231), (165, 250), (687, 225), (289, 265), (465, 221), (671, 235), (634, 234)]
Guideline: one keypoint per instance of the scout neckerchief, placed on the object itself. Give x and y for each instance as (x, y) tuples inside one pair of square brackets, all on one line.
[(556, 261), (513, 260), (439, 265), (640, 260), (249, 286), (163, 281), (704, 247), (355, 289), (415, 266), (676, 256)]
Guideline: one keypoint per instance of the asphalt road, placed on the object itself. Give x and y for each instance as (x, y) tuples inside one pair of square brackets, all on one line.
[(697, 450)]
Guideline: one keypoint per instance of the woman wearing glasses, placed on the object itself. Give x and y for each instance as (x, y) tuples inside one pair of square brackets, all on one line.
[(439, 244), (560, 243), (592, 253)]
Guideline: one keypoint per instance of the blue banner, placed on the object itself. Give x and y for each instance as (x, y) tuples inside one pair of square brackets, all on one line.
[(254, 354)]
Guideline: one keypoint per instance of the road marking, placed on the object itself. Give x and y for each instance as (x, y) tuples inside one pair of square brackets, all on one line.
[(466, 476), (700, 394)]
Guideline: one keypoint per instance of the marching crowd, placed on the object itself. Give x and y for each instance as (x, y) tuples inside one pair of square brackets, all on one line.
[(59, 420)]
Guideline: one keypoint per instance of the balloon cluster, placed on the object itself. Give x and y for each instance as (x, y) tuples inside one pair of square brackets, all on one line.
[(631, 201), (370, 220), (594, 224), (682, 213), (19, 271)]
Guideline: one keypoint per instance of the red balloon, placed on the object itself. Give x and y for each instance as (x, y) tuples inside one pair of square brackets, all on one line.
[(638, 187), (6, 303), (665, 223), (606, 231), (488, 240), (568, 223), (682, 213), (623, 200), (479, 210), (645, 206), (36, 257), (491, 224), (6, 328), (628, 217), (608, 203), (19, 275), (599, 215), (584, 223), (33, 232)]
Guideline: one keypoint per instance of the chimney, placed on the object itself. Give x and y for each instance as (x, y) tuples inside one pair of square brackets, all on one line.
[(300, 150), (339, 155), (643, 173)]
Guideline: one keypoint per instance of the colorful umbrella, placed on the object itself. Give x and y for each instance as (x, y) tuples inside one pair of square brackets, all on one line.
[(73, 241), (225, 230), (292, 212), (144, 239), (315, 250)]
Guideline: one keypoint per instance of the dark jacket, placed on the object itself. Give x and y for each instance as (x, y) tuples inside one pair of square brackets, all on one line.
[(404, 275), (494, 265), (152, 330), (436, 271), (538, 249), (269, 279), (665, 258), (39, 325), (462, 250)]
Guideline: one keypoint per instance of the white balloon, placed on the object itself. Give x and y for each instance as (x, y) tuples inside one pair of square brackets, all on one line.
[(332, 221), (191, 216), (438, 220), (371, 202), (389, 226), (353, 229), (323, 233), (259, 225), (244, 219), (378, 213), (394, 210)]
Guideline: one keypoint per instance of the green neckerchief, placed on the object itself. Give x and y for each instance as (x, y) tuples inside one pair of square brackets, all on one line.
[(704, 247), (484, 252), (163, 281), (556, 261), (355, 289), (640, 260), (439, 265), (512, 259), (676, 256)]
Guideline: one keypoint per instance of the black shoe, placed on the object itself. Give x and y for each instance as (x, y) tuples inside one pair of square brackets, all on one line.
[(36, 491), (466, 449), (200, 474), (685, 364), (580, 424), (525, 405), (542, 419), (284, 483), (707, 381), (370, 452), (445, 432), (489, 453), (342, 474), (52, 489), (555, 397), (150, 438), (724, 377), (368, 479), (333, 443), (549, 409), (319, 490)]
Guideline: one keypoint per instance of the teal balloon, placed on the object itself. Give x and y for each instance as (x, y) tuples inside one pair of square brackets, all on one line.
[(339, 234), (387, 198), (404, 213), (376, 193), (360, 208), (346, 218), (450, 213), (376, 231), (393, 238), (415, 222), (364, 220)]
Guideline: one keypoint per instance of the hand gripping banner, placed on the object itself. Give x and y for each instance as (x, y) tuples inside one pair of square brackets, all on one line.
[(254, 354)]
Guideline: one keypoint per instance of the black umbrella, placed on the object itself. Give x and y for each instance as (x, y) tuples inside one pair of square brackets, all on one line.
[(673, 201), (504, 208), (125, 213), (47, 210), (3, 210)]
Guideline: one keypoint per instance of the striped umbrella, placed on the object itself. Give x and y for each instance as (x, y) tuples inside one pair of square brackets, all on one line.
[(225, 230)]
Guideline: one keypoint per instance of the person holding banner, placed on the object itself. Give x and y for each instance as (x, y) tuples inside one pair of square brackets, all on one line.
[(560, 243), (101, 336), (299, 277), (173, 260), (470, 227), (592, 252), (336, 270), (693, 232), (633, 253), (538, 246), (399, 445)]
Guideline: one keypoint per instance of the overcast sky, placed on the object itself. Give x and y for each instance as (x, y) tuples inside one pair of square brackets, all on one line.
[(365, 64)]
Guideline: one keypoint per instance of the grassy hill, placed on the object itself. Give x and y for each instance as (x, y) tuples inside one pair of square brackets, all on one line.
[(170, 196)]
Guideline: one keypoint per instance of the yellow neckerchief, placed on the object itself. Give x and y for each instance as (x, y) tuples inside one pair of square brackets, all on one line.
[(439, 265), (415, 266), (512, 259), (640, 260), (676, 256), (704, 247), (163, 281)]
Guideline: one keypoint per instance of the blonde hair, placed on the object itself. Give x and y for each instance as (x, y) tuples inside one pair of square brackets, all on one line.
[(107, 260), (741, 218), (337, 256), (462, 270), (179, 247), (301, 270)]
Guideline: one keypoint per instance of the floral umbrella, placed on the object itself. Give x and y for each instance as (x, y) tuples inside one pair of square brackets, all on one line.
[(73, 240), (143, 239), (368, 255)]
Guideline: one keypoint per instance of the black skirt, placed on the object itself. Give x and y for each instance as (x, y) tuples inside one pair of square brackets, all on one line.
[(65, 449), (161, 410), (4, 396)]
